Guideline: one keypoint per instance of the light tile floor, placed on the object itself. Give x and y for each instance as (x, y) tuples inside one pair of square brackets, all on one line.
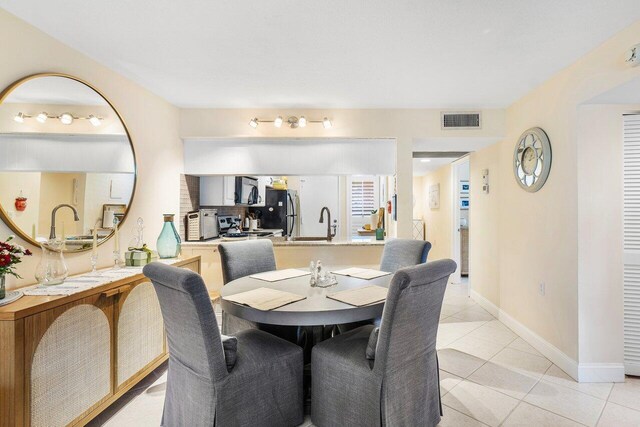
[(489, 376)]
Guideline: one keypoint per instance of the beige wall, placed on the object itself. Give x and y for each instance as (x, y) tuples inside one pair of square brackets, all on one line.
[(12, 184), (153, 124), (437, 221), (537, 234), (484, 259), (404, 125), (57, 188)]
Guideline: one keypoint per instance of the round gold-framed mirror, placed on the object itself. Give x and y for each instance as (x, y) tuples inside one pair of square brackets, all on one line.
[(66, 155)]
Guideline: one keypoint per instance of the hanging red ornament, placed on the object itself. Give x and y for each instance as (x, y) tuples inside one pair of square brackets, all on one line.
[(21, 203)]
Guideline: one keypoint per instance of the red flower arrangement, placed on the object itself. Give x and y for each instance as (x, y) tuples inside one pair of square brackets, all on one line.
[(10, 255)]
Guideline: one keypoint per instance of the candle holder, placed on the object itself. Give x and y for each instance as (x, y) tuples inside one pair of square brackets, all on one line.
[(94, 263), (117, 261)]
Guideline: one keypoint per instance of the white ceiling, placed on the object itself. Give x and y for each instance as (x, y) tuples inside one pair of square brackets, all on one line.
[(333, 53), (421, 168)]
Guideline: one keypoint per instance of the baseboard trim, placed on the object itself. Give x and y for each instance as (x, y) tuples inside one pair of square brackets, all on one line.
[(601, 372), (583, 372), (486, 304), (548, 350)]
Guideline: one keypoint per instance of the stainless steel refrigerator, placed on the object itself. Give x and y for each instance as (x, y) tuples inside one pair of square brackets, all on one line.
[(281, 211)]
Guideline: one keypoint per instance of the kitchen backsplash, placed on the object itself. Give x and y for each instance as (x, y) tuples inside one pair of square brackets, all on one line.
[(189, 199)]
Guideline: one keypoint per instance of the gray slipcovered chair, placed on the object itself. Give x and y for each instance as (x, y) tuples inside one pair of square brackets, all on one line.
[(260, 383), (386, 376), (401, 253), (240, 259), (397, 254)]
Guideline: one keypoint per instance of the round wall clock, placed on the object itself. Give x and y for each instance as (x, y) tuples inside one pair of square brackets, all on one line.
[(532, 159)]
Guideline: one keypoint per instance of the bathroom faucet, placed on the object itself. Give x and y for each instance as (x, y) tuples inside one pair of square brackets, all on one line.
[(52, 234), (330, 235)]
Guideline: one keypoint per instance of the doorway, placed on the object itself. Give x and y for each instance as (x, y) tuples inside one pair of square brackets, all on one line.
[(460, 173)]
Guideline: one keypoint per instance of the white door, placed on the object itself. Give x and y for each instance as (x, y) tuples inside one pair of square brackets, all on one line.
[(315, 193), (631, 212), (459, 172)]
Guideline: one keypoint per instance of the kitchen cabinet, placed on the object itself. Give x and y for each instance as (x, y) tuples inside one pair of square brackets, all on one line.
[(67, 358), (218, 191)]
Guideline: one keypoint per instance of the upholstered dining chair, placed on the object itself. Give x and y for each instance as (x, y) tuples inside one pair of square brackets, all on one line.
[(401, 253), (257, 380), (386, 376), (240, 259), (397, 254)]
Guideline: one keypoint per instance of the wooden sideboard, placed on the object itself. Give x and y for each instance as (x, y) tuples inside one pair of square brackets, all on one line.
[(64, 359)]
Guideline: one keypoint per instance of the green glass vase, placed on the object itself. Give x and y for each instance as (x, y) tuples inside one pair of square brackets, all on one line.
[(2, 289), (168, 244)]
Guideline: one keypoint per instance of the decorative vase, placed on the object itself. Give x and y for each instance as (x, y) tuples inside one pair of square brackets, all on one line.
[(2, 289), (168, 244), (52, 269)]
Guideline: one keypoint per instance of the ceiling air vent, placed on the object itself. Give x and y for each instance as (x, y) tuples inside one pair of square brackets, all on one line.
[(467, 120)]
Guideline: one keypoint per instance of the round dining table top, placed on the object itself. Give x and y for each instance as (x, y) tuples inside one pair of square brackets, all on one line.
[(316, 309)]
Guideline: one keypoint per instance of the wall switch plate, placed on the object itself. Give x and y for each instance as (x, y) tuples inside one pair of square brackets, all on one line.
[(485, 181), (542, 288)]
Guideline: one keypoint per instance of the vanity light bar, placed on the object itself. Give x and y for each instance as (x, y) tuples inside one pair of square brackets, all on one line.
[(292, 121), (65, 118)]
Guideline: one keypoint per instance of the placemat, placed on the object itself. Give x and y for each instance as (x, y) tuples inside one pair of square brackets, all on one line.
[(264, 299), (274, 276), (361, 273), (361, 297)]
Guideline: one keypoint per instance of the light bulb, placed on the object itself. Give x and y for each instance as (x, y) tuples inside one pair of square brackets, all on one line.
[(326, 123), (66, 118), (94, 120), (278, 121), (42, 117), (19, 118), (425, 160), (302, 121), (254, 123)]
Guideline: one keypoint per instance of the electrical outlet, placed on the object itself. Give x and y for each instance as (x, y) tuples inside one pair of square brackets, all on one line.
[(542, 288)]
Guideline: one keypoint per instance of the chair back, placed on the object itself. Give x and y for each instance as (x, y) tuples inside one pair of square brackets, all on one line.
[(240, 259), (190, 323), (401, 253), (410, 318)]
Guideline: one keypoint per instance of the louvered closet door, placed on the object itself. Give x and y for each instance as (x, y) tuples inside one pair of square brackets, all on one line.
[(632, 244)]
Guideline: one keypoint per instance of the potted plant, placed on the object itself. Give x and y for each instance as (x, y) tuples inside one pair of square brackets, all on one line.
[(10, 255)]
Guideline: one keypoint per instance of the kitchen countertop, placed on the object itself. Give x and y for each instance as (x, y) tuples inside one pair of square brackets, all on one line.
[(280, 241)]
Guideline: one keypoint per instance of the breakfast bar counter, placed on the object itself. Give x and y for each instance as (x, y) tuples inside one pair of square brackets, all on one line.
[(281, 241), (292, 254)]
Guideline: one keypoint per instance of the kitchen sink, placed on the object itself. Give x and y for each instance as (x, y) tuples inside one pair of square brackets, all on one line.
[(309, 239)]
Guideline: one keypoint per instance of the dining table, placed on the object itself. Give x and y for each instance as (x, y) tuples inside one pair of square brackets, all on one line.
[(316, 309)]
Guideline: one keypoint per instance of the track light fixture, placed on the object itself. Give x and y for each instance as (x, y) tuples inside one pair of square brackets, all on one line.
[(292, 121), (65, 118)]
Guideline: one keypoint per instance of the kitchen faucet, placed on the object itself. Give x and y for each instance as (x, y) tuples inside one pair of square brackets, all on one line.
[(330, 235), (52, 234)]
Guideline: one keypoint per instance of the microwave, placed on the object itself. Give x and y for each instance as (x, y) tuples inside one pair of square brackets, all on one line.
[(247, 191)]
